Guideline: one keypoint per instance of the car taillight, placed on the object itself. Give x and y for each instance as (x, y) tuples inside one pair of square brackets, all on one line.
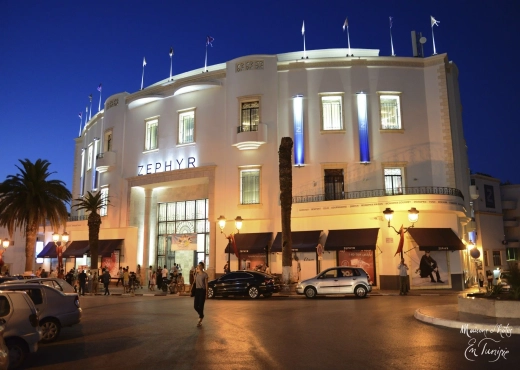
[(76, 301), (33, 319)]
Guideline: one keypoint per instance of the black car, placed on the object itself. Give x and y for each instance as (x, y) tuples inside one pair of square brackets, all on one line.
[(250, 283)]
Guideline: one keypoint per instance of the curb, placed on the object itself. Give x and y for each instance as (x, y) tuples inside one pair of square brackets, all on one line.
[(456, 324)]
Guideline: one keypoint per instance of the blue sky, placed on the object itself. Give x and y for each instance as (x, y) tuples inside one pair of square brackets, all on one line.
[(55, 53)]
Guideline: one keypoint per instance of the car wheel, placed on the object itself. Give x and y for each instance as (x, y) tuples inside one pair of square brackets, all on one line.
[(50, 329), (310, 292), (268, 295), (253, 292), (18, 351), (211, 292), (360, 291)]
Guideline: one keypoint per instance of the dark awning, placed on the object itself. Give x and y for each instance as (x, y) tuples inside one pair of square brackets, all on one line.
[(49, 251), (302, 241), (434, 239), (106, 247), (76, 249), (252, 242), (352, 239)]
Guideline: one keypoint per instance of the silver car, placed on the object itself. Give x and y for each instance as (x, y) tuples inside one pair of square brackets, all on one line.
[(21, 332), (337, 280), (56, 309), (55, 283)]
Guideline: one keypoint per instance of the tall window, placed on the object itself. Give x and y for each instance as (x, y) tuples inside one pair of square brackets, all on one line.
[(485, 255), (107, 144), (249, 116), (89, 156), (103, 211), (512, 254), (393, 181), (187, 127), (334, 184), (151, 140), (390, 112), (82, 177), (250, 186), (331, 112), (497, 260)]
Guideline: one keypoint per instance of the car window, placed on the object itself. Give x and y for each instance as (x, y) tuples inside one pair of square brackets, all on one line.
[(34, 293), (243, 275), (49, 283), (330, 274), (5, 307), (346, 272), (230, 276)]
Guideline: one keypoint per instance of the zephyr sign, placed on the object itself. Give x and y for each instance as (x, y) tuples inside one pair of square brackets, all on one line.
[(156, 167)]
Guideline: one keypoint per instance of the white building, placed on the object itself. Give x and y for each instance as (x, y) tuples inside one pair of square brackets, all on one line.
[(369, 133)]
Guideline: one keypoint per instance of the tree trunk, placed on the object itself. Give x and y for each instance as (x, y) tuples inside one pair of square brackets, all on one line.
[(30, 243), (285, 173), (94, 223)]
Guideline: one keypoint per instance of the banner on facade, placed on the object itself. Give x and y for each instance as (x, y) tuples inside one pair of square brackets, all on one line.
[(184, 242)]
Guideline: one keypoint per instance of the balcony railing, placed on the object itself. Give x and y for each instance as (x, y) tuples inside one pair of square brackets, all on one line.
[(247, 128), (378, 193)]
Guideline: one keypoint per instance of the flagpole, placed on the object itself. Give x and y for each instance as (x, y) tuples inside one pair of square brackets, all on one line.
[(171, 63), (206, 59), (433, 39), (90, 115), (391, 41), (348, 39), (80, 124), (433, 22), (303, 34), (142, 76), (99, 89), (86, 114)]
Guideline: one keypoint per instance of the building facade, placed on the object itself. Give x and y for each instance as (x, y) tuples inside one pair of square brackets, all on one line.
[(369, 133)]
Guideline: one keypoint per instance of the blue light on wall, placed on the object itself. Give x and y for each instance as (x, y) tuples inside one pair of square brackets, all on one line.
[(298, 130), (364, 146)]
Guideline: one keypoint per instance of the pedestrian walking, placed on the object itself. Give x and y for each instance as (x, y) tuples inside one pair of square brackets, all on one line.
[(106, 280), (119, 276), (403, 277), (201, 288)]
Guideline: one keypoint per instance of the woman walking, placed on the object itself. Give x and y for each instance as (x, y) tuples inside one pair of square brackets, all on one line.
[(201, 288)]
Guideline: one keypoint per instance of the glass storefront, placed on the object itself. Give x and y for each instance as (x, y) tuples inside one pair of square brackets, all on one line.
[(177, 218)]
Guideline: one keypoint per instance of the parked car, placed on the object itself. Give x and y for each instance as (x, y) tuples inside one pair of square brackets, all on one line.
[(56, 309), (19, 317), (337, 280), (55, 283), (250, 283), (4, 351), (10, 278)]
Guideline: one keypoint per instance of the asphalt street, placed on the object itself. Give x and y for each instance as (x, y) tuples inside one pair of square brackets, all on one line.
[(123, 332)]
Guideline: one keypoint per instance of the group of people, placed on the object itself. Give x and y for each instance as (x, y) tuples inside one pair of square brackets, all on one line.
[(173, 278), (130, 280)]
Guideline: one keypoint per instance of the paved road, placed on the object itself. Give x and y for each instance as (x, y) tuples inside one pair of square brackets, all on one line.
[(121, 332)]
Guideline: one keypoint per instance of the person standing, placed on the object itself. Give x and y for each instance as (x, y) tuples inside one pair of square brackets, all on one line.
[(403, 277), (139, 277), (180, 284), (82, 277), (201, 289), (151, 285), (150, 273), (95, 283), (119, 276), (126, 281), (106, 280)]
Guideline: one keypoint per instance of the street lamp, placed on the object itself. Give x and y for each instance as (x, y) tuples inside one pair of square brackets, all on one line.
[(222, 224), (60, 248), (5, 244), (413, 217)]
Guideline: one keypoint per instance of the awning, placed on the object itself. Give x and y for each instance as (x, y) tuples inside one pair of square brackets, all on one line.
[(106, 247), (352, 239), (302, 241), (49, 251), (251, 243), (433, 239), (76, 249)]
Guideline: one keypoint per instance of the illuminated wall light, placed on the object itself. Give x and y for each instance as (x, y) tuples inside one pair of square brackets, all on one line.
[(364, 146), (298, 130)]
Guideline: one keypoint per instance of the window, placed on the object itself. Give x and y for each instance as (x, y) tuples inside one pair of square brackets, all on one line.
[(103, 211), (393, 181), (89, 157), (512, 254), (250, 186), (334, 184), (497, 261), (249, 116), (390, 112), (330, 274), (331, 112), (151, 141), (108, 141), (186, 127), (486, 261), (5, 307)]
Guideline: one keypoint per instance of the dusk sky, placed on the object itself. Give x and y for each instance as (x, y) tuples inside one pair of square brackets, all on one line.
[(53, 54)]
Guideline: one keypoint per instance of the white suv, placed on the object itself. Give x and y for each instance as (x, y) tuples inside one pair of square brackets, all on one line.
[(22, 333)]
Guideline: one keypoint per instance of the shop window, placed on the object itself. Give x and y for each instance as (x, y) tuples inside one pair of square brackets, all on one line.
[(331, 112), (186, 127), (497, 260), (334, 184), (151, 138), (512, 254), (390, 109), (393, 181), (249, 116), (250, 186)]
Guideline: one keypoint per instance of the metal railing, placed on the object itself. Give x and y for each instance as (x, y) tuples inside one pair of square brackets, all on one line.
[(247, 128), (378, 193)]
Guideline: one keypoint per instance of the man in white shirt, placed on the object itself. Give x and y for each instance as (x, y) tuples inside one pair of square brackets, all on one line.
[(403, 277), (164, 272), (150, 273)]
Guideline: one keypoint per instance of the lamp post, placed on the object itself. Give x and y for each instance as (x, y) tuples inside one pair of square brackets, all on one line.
[(60, 248), (222, 224), (5, 244), (413, 217)]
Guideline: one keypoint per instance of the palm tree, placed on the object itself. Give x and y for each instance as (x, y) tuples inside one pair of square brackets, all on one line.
[(285, 173), (29, 199), (92, 203)]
